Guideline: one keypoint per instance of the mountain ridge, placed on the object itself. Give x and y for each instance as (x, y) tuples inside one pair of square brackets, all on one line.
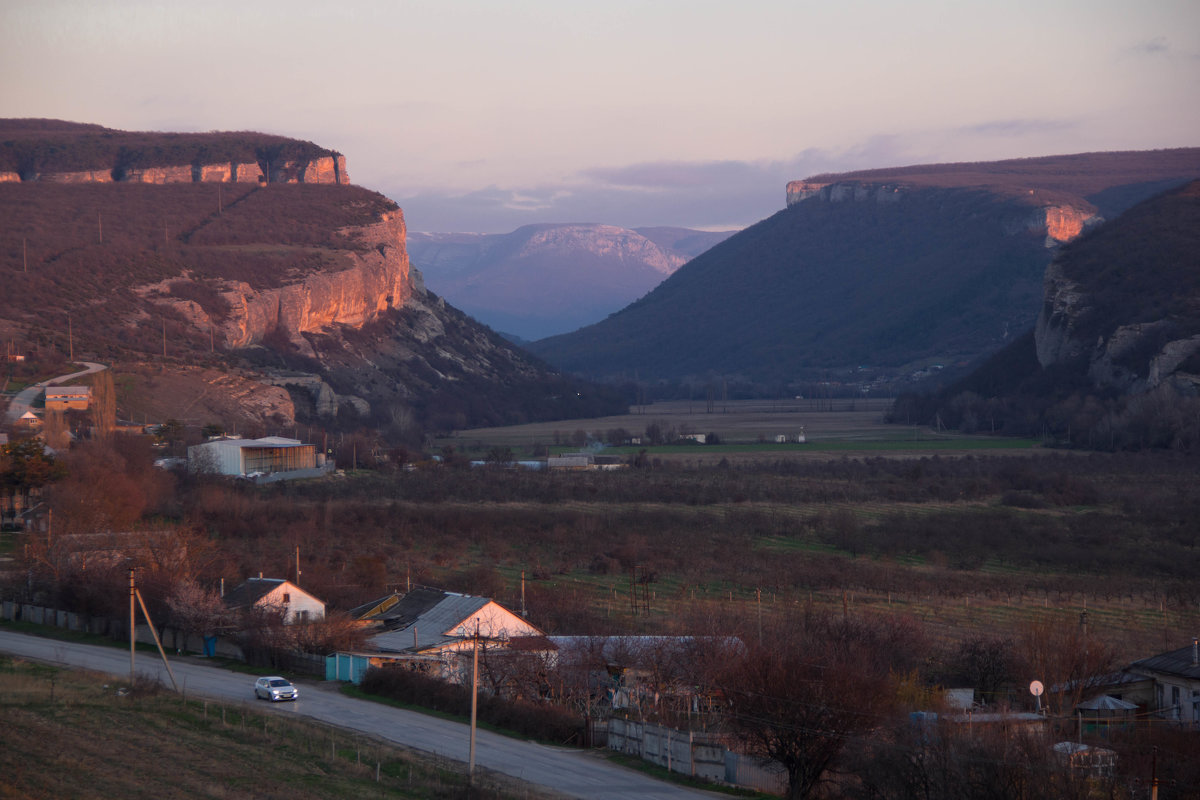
[(551, 277), (886, 275)]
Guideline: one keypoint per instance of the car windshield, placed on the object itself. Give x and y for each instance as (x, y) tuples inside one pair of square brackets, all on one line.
[(280, 682)]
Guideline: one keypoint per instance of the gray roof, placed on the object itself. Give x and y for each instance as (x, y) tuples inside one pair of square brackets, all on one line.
[(250, 592), (1181, 662), (1106, 703), (424, 619)]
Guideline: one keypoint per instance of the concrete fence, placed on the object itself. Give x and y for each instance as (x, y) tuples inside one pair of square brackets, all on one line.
[(172, 638), (701, 755)]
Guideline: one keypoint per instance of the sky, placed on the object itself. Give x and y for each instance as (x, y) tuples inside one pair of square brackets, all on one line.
[(487, 115)]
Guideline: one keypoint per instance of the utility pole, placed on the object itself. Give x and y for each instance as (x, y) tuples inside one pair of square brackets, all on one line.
[(297, 565), (474, 703), (132, 624)]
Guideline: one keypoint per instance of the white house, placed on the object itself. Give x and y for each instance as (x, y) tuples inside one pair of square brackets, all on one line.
[(1176, 676), (431, 629), (277, 595)]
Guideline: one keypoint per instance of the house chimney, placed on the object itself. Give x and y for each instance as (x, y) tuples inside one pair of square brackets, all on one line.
[(1195, 651), (260, 576)]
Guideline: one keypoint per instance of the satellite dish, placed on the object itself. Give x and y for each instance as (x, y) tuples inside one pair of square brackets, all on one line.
[(1036, 688)]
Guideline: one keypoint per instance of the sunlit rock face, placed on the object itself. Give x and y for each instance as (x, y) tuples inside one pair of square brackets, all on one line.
[(324, 169), (377, 279)]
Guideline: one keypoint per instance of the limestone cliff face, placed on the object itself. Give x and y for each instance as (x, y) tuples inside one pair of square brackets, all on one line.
[(325, 169), (1131, 358), (1122, 302), (375, 278), (378, 279), (1060, 222)]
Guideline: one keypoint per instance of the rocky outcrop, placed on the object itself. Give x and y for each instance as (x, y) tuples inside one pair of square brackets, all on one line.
[(1113, 306), (157, 175), (377, 277), (87, 176), (1059, 223), (325, 169)]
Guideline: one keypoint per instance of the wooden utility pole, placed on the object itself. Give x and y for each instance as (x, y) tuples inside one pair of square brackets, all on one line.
[(297, 565), (132, 624), (474, 703)]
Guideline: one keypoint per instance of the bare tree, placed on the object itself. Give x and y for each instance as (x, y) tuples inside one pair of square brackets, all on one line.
[(802, 690)]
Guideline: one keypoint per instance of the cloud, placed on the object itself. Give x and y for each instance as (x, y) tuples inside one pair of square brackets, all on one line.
[(1013, 128), (1154, 47)]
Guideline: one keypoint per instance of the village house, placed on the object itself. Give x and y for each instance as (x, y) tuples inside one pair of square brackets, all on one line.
[(431, 630), (1176, 679), (275, 595)]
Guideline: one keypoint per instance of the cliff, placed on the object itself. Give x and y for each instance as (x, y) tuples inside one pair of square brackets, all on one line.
[(256, 261), (61, 152), (867, 277), (1124, 302), (1058, 222)]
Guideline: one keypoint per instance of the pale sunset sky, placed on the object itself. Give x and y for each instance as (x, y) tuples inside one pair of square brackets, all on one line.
[(483, 116)]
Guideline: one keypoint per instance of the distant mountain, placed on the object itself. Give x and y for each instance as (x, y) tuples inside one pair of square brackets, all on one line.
[(246, 256), (1114, 360), (541, 280), (868, 276)]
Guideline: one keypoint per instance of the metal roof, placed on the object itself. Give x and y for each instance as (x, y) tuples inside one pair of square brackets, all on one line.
[(420, 624), (1182, 662)]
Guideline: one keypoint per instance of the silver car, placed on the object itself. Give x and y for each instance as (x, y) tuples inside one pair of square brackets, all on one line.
[(275, 688)]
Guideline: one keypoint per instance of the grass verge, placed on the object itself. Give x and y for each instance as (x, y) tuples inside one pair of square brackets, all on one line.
[(70, 733)]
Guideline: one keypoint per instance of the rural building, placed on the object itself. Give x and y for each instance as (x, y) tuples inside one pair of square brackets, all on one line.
[(65, 398), (699, 438), (584, 460), (275, 595), (430, 629), (1176, 677), (270, 458)]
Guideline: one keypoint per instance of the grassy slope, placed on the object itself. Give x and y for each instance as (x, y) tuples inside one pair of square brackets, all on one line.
[(69, 734)]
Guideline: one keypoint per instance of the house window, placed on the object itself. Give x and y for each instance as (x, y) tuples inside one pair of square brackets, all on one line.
[(304, 616), (287, 598)]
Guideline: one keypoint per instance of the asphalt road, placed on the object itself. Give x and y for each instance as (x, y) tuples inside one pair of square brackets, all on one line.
[(573, 772), (23, 401)]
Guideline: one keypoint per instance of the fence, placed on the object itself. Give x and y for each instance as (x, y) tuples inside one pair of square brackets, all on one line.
[(701, 755), (172, 639)]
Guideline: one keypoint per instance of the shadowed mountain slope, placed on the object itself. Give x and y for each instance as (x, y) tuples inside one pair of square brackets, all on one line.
[(887, 270)]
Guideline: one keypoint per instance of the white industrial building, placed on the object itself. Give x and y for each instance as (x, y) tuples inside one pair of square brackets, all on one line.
[(272, 456)]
